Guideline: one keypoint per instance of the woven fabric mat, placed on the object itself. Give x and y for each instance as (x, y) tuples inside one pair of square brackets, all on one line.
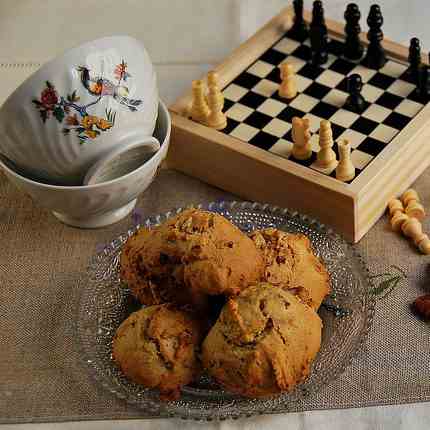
[(43, 378)]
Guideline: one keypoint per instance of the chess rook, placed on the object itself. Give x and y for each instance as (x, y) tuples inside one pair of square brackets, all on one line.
[(375, 57), (353, 46), (213, 82), (288, 87), (326, 157), (345, 170), (299, 30), (318, 35), (216, 118), (414, 59), (302, 149), (199, 109)]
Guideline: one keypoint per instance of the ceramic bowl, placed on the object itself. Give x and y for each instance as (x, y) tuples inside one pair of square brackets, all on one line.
[(98, 205), (73, 111)]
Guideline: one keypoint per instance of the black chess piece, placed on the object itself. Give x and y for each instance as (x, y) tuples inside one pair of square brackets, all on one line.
[(423, 83), (318, 35), (353, 46), (299, 30), (355, 101), (375, 57), (414, 59)]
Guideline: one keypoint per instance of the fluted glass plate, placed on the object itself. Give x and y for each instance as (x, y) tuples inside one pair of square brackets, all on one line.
[(347, 315)]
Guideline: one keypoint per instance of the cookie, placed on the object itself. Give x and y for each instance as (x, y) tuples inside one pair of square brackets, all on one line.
[(187, 258), (158, 347), (264, 342), (291, 263)]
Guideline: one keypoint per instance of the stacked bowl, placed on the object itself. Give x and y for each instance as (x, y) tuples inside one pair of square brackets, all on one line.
[(85, 134)]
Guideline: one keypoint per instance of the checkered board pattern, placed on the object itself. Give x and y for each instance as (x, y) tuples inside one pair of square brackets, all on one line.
[(257, 115)]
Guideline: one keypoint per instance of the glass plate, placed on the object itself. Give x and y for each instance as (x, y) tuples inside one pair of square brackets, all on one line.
[(347, 315)]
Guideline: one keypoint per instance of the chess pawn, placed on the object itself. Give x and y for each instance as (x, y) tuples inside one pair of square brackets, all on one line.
[(353, 46), (375, 56), (216, 119), (413, 229), (199, 109), (299, 29), (394, 206), (302, 149), (397, 221), (424, 245), (213, 81), (288, 87), (326, 157), (414, 58), (345, 170), (413, 206)]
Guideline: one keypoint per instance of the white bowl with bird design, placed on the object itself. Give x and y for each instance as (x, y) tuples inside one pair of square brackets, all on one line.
[(98, 205), (74, 110)]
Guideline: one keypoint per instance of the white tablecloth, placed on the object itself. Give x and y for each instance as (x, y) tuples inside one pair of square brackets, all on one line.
[(184, 38)]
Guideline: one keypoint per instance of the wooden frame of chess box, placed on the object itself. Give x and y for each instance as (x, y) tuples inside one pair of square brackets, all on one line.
[(255, 174)]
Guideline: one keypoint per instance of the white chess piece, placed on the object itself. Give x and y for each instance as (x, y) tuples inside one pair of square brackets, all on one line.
[(199, 110), (288, 87), (326, 157), (302, 149), (345, 170)]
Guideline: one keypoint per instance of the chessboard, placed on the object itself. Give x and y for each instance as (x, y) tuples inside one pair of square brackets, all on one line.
[(251, 157), (259, 116)]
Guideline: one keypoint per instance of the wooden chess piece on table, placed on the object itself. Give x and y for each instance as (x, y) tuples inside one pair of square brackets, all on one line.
[(288, 87), (326, 157), (413, 229), (302, 149), (345, 170), (414, 208), (199, 110), (397, 214)]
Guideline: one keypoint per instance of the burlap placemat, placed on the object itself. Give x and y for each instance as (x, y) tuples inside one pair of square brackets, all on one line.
[(43, 378)]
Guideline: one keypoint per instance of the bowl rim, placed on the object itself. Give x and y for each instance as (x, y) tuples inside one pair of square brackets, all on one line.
[(60, 57), (154, 160)]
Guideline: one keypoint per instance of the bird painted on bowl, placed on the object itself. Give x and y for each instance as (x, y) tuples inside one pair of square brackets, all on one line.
[(101, 87)]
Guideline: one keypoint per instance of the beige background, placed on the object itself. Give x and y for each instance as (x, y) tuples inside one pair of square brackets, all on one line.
[(184, 38)]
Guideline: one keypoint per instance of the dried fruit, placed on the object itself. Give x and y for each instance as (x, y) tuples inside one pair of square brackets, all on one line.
[(422, 306)]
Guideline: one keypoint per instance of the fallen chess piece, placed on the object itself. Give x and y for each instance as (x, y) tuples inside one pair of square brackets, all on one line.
[(413, 206), (413, 229), (397, 214)]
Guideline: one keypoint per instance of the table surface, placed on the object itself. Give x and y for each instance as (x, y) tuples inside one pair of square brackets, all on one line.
[(184, 40)]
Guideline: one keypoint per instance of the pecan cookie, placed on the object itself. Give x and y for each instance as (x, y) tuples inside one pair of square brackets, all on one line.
[(291, 263), (158, 347), (264, 342), (187, 258)]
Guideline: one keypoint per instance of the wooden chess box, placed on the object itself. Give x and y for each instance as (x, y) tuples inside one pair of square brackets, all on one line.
[(243, 165)]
